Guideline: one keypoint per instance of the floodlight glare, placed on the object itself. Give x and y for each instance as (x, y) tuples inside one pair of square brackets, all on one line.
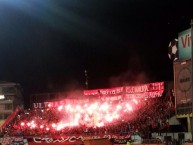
[(2, 97)]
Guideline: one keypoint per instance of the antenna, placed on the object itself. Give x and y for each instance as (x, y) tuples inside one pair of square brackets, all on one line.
[(86, 78)]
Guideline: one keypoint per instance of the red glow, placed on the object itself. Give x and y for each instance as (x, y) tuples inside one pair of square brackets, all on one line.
[(33, 125), (92, 114), (134, 100), (53, 125), (60, 108)]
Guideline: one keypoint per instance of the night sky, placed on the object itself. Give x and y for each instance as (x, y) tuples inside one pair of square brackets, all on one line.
[(46, 45)]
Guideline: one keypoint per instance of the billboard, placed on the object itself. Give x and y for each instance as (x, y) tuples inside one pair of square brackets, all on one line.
[(184, 44), (183, 86)]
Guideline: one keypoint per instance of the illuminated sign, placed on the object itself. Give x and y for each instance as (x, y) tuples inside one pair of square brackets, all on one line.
[(184, 44)]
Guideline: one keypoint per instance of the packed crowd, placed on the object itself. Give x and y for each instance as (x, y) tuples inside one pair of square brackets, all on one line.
[(145, 117)]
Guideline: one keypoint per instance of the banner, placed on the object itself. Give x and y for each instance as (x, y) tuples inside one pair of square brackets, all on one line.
[(111, 91), (183, 86), (152, 88), (66, 140), (158, 86), (60, 140), (55, 104), (145, 95), (77, 139), (11, 141), (111, 98)]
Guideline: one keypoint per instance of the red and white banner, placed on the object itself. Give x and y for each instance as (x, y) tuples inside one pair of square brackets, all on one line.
[(67, 140), (71, 140), (111, 91), (156, 87), (145, 95), (57, 103)]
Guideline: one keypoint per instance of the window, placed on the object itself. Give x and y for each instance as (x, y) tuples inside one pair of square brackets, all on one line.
[(9, 97), (6, 115), (1, 116), (8, 90), (8, 106), (1, 107)]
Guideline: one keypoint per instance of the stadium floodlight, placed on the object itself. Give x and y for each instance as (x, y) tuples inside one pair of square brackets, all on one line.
[(2, 97)]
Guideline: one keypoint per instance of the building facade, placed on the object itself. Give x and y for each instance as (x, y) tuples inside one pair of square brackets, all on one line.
[(10, 98)]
